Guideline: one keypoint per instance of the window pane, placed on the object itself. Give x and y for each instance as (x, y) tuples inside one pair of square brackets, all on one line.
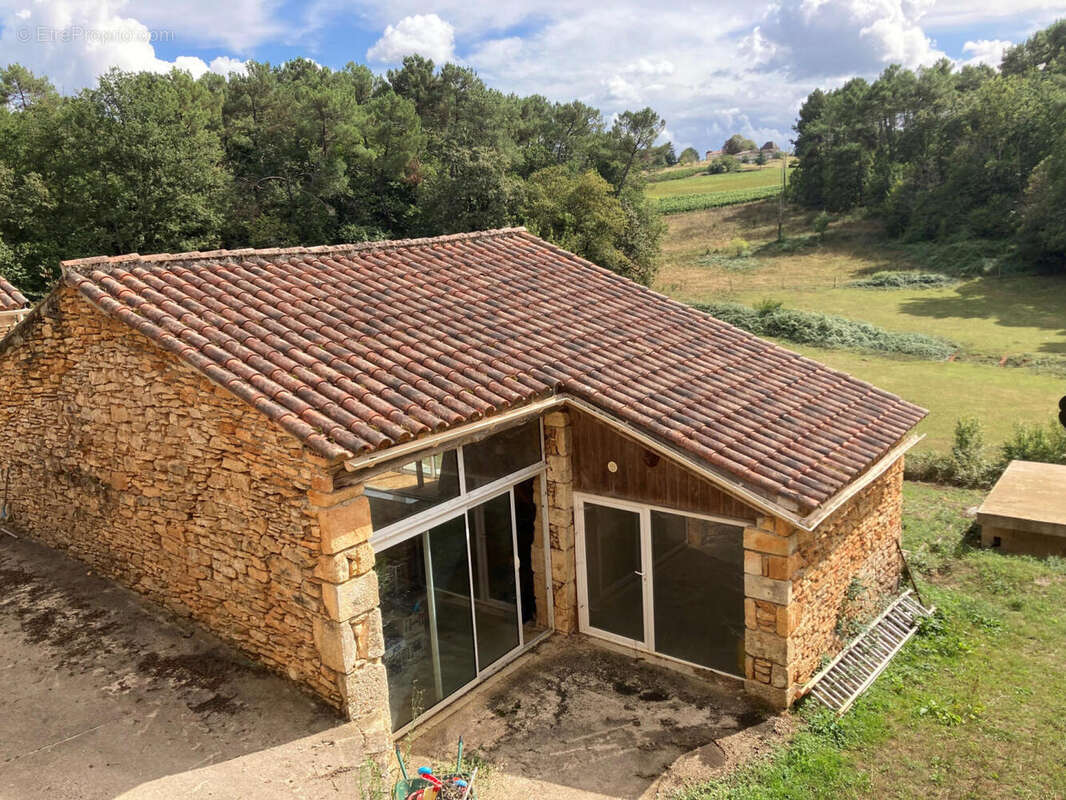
[(612, 563), (698, 580), (429, 638), (412, 488), (495, 598), (451, 591), (405, 620), (500, 455)]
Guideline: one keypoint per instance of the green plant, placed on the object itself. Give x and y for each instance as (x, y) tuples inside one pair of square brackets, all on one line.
[(679, 204), (738, 248), (1046, 443), (904, 280), (821, 224), (823, 330), (768, 306)]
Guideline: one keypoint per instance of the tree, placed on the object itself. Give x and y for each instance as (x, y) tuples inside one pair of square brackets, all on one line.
[(737, 144), (1043, 228), (632, 134), (582, 213), (688, 156), (20, 88), (769, 146)]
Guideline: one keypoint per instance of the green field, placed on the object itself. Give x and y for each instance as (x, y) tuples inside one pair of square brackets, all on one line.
[(989, 317), (769, 175), (973, 707)]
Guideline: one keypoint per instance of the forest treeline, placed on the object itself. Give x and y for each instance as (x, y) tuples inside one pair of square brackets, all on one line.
[(946, 153), (299, 154)]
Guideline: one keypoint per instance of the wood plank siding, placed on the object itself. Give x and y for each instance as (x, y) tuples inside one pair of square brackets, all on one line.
[(642, 476)]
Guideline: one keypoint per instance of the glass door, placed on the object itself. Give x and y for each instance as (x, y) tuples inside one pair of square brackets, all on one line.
[(662, 581), (612, 593)]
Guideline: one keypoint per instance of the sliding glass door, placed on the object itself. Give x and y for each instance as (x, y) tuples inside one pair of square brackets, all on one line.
[(662, 581), (450, 605)]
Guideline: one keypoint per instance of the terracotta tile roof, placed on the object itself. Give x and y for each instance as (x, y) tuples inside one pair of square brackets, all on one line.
[(11, 299), (355, 348)]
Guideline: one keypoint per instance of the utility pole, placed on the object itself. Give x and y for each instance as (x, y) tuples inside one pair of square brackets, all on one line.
[(781, 197)]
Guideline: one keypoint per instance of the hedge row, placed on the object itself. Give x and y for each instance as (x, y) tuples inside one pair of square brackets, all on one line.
[(696, 202), (824, 330), (905, 280), (675, 174)]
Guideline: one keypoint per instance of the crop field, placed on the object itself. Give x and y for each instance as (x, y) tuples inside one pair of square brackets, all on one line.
[(992, 319), (680, 203), (752, 178)]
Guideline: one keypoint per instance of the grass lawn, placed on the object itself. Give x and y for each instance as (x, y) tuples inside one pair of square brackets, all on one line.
[(727, 181), (989, 317), (973, 707), (998, 396)]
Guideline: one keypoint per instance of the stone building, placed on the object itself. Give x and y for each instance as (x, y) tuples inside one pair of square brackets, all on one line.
[(388, 469), (13, 306)]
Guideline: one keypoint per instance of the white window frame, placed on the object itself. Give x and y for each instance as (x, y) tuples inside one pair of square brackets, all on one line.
[(643, 510), (422, 522)]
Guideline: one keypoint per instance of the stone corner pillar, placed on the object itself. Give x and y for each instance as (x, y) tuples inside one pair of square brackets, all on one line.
[(348, 631), (558, 450), (771, 559)]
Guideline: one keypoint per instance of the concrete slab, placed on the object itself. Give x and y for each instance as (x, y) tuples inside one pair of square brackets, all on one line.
[(1028, 497), (104, 694), (575, 721)]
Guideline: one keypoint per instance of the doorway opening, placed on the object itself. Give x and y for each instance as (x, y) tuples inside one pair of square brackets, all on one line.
[(662, 581)]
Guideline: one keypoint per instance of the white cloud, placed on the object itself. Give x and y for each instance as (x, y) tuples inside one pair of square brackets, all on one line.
[(985, 51), (645, 66), (74, 41), (832, 38), (423, 34)]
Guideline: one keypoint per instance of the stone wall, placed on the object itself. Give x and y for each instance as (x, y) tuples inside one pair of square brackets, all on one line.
[(144, 469), (797, 582), (558, 447)]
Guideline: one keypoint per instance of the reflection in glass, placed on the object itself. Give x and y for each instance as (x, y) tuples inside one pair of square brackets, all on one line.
[(612, 561), (698, 587), (495, 598), (500, 455), (429, 646), (413, 487)]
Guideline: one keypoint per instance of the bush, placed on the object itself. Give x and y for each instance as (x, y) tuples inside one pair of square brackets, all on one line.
[(697, 202), (967, 465), (675, 174), (739, 248), (904, 280), (821, 224), (726, 163), (1046, 443), (824, 330)]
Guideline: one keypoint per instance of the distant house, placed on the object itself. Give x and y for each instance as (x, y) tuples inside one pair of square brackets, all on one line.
[(13, 307), (712, 154), (388, 469)]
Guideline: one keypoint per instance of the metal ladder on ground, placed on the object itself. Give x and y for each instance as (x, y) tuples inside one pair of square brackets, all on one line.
[(857, 666)]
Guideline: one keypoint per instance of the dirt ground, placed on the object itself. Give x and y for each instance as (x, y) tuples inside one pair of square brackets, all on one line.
[(575, 721), (104, 694)]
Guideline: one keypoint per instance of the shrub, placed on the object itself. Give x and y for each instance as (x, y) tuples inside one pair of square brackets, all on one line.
[(821, 224), (904, 280), (1035, 442), (739, 248), (726, 163), (824, 330)]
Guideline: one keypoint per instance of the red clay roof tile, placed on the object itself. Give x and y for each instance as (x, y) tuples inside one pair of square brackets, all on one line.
[(355, 348), (11, 299)]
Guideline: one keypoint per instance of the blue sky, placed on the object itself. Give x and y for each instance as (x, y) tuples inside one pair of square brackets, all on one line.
[(710, 68)]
